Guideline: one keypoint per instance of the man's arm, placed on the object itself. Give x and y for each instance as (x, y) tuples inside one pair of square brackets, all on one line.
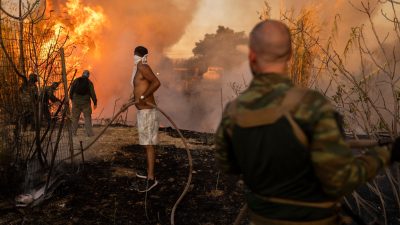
[(153, 80), (72, 90), (223, 144), (339, 171), (93, 94)]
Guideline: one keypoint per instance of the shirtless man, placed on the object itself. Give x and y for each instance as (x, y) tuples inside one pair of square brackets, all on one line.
[(145, 83)]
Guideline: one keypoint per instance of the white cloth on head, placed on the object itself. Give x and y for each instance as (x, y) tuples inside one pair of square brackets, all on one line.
[(138, 59), (147, 125)]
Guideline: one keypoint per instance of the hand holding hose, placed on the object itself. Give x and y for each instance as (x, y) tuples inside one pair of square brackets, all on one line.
[(130, 102)]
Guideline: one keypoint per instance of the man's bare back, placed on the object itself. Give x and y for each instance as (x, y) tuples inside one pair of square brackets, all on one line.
[(145, 84)]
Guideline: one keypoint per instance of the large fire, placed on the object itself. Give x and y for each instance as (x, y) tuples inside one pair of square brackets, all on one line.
[(80, 25)]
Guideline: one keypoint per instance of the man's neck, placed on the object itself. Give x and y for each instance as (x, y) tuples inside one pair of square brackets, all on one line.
[(278, 68)]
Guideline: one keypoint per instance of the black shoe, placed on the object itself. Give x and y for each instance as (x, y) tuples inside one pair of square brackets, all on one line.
[(147, 185)]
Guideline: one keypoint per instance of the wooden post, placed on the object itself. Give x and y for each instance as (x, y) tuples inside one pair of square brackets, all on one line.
[(66, 102)]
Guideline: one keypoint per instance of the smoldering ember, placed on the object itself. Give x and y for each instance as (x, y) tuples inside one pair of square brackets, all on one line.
[(199, 112)]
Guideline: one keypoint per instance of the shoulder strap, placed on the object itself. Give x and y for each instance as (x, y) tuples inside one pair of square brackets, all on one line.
[(293, 97), (298, 132), (267, 116), (291, 101)]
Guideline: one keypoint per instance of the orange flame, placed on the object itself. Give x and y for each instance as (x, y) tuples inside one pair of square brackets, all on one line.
[(80, 25)]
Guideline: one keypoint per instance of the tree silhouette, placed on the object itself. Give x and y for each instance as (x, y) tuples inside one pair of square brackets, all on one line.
[(220, 49)]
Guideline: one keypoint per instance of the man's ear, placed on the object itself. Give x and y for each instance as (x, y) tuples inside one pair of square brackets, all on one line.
[(252, 56), (290, 55)]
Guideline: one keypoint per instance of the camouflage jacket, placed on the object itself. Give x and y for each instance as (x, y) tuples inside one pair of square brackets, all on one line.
[(336, 168)]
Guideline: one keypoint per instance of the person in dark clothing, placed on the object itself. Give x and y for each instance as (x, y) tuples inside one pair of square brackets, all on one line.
[(48, 99), (82, 91), (29, 97)]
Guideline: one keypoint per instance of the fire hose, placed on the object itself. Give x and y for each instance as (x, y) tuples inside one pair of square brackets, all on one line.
[(124, 107)]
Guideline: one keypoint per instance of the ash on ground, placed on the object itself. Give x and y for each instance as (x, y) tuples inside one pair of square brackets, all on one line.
[(101, 193)]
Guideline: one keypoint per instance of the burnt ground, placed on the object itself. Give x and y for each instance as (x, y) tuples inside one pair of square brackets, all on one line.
[(101, 193)]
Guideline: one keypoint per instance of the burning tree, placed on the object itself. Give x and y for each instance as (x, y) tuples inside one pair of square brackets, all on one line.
[(30, 54), (34, 48)]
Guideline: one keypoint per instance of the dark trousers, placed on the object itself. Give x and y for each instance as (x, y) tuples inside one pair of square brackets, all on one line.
[(86, 109)]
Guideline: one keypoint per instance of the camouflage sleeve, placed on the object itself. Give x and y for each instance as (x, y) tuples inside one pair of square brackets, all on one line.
[(338, 169), (223, 144), (92, 93)]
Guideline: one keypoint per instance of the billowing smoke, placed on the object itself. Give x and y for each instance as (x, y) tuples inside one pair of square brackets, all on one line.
[(156, 25), (328, 14), (363, 21), (201, 109)]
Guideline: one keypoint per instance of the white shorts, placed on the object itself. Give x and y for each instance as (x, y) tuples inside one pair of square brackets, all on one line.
[(147, 123)]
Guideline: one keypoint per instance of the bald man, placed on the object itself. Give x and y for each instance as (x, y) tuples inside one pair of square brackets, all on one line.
[(286, 142)]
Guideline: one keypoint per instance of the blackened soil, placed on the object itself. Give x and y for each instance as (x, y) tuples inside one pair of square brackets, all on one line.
[(203, 138), (96, 196)]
